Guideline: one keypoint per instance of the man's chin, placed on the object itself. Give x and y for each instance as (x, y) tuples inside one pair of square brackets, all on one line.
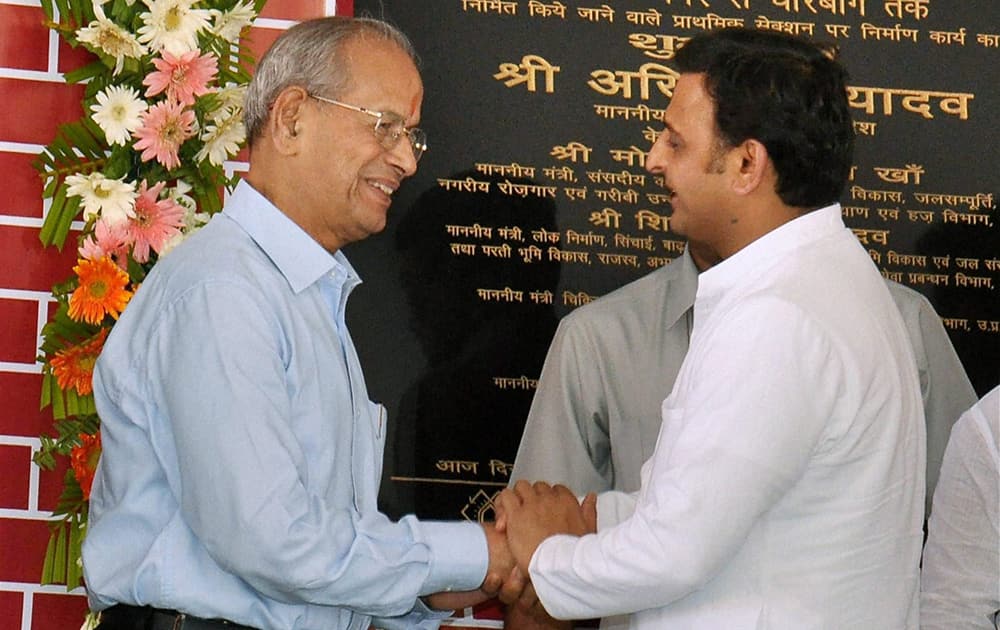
[(677, 223)]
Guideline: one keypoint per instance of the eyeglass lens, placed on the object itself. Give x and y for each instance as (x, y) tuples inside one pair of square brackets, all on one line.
[(388, 129)]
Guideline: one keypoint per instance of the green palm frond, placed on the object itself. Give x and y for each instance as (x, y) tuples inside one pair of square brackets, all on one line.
[(79, 147)]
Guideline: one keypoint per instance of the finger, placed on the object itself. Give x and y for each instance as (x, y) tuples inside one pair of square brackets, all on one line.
[(589, 507), (562, 493), (492, 584), (513, 586), (500, 512), (523, 489), (529, 599), (542, 488), (503, 505)]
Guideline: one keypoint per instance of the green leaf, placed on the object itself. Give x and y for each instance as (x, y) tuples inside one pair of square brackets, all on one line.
[(73, 570), (47, 8), (58, 403), (59, 559), (64, 11), (72, 406), (70, 210), (119, 162), (57, 222), (90, 71), (78, 15), (83, 141), (48, 565), (44, 457), (46, 392)]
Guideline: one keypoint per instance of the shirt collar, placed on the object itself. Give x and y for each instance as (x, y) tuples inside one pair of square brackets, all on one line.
[(299, 258), (808, 228)]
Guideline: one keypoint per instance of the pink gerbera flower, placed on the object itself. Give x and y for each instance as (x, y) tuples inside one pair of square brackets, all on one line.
[(110, 240), (183, 77), (155, 222), (165, 127)]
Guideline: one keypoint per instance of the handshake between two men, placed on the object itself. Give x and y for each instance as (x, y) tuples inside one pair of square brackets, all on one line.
[(526, 515)]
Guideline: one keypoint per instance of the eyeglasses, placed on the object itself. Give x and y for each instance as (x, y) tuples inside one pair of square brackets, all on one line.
[(389, 127)]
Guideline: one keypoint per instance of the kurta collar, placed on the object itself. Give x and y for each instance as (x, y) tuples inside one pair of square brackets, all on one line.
[(769, 248)]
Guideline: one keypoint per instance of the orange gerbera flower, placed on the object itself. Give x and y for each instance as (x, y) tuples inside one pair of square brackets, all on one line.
[(101, 292), (74, 366), (83, 458)]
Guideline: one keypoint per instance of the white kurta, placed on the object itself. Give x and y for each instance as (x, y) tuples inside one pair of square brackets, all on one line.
[(961, 574), (786, 488)]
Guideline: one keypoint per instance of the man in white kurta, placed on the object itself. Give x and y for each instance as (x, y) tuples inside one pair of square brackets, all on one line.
[(786, 488)]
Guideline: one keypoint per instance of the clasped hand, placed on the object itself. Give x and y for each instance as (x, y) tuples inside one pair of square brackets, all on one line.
[(527, 514)]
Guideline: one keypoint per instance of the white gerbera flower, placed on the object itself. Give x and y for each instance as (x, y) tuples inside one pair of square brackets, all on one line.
[(112, 200), (118, 113), (172, 25), (229, 24), (179, 193), (171, 244), (193, 220), (223, 138), (105, 36), (229, 97)]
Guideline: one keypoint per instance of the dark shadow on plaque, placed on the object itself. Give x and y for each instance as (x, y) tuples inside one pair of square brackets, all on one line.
[(478, 313), (969, 245)]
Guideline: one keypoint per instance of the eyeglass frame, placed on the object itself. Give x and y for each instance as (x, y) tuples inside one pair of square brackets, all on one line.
[(416, 136)]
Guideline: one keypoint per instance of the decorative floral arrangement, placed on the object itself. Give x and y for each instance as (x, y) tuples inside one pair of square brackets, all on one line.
[(142, 169)]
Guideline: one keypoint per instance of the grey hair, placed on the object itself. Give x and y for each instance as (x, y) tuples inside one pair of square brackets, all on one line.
[(307, 55)]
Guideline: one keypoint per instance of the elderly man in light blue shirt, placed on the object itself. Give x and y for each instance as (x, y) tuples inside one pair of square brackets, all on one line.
[(242, 455)]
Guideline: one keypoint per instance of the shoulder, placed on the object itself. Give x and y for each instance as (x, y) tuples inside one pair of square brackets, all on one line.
[(221, 252), (216, 271), (982, 420), (641, 298), (910, 302)]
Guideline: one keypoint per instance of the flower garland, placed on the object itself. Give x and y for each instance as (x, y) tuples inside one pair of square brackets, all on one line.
[(143, 169)]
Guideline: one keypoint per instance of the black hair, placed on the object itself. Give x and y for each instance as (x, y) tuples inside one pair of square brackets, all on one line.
[(787, 93)]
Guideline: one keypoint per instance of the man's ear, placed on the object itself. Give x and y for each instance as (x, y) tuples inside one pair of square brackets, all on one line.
[(284, 123), (753, 166)]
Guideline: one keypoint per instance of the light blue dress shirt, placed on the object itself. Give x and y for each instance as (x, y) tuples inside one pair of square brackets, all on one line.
[(242, 455)]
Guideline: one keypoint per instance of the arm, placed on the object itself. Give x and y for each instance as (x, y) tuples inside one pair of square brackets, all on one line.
[(501, 565)]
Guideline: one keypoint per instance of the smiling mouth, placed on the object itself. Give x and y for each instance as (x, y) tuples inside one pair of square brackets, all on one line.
[(385, 189)]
